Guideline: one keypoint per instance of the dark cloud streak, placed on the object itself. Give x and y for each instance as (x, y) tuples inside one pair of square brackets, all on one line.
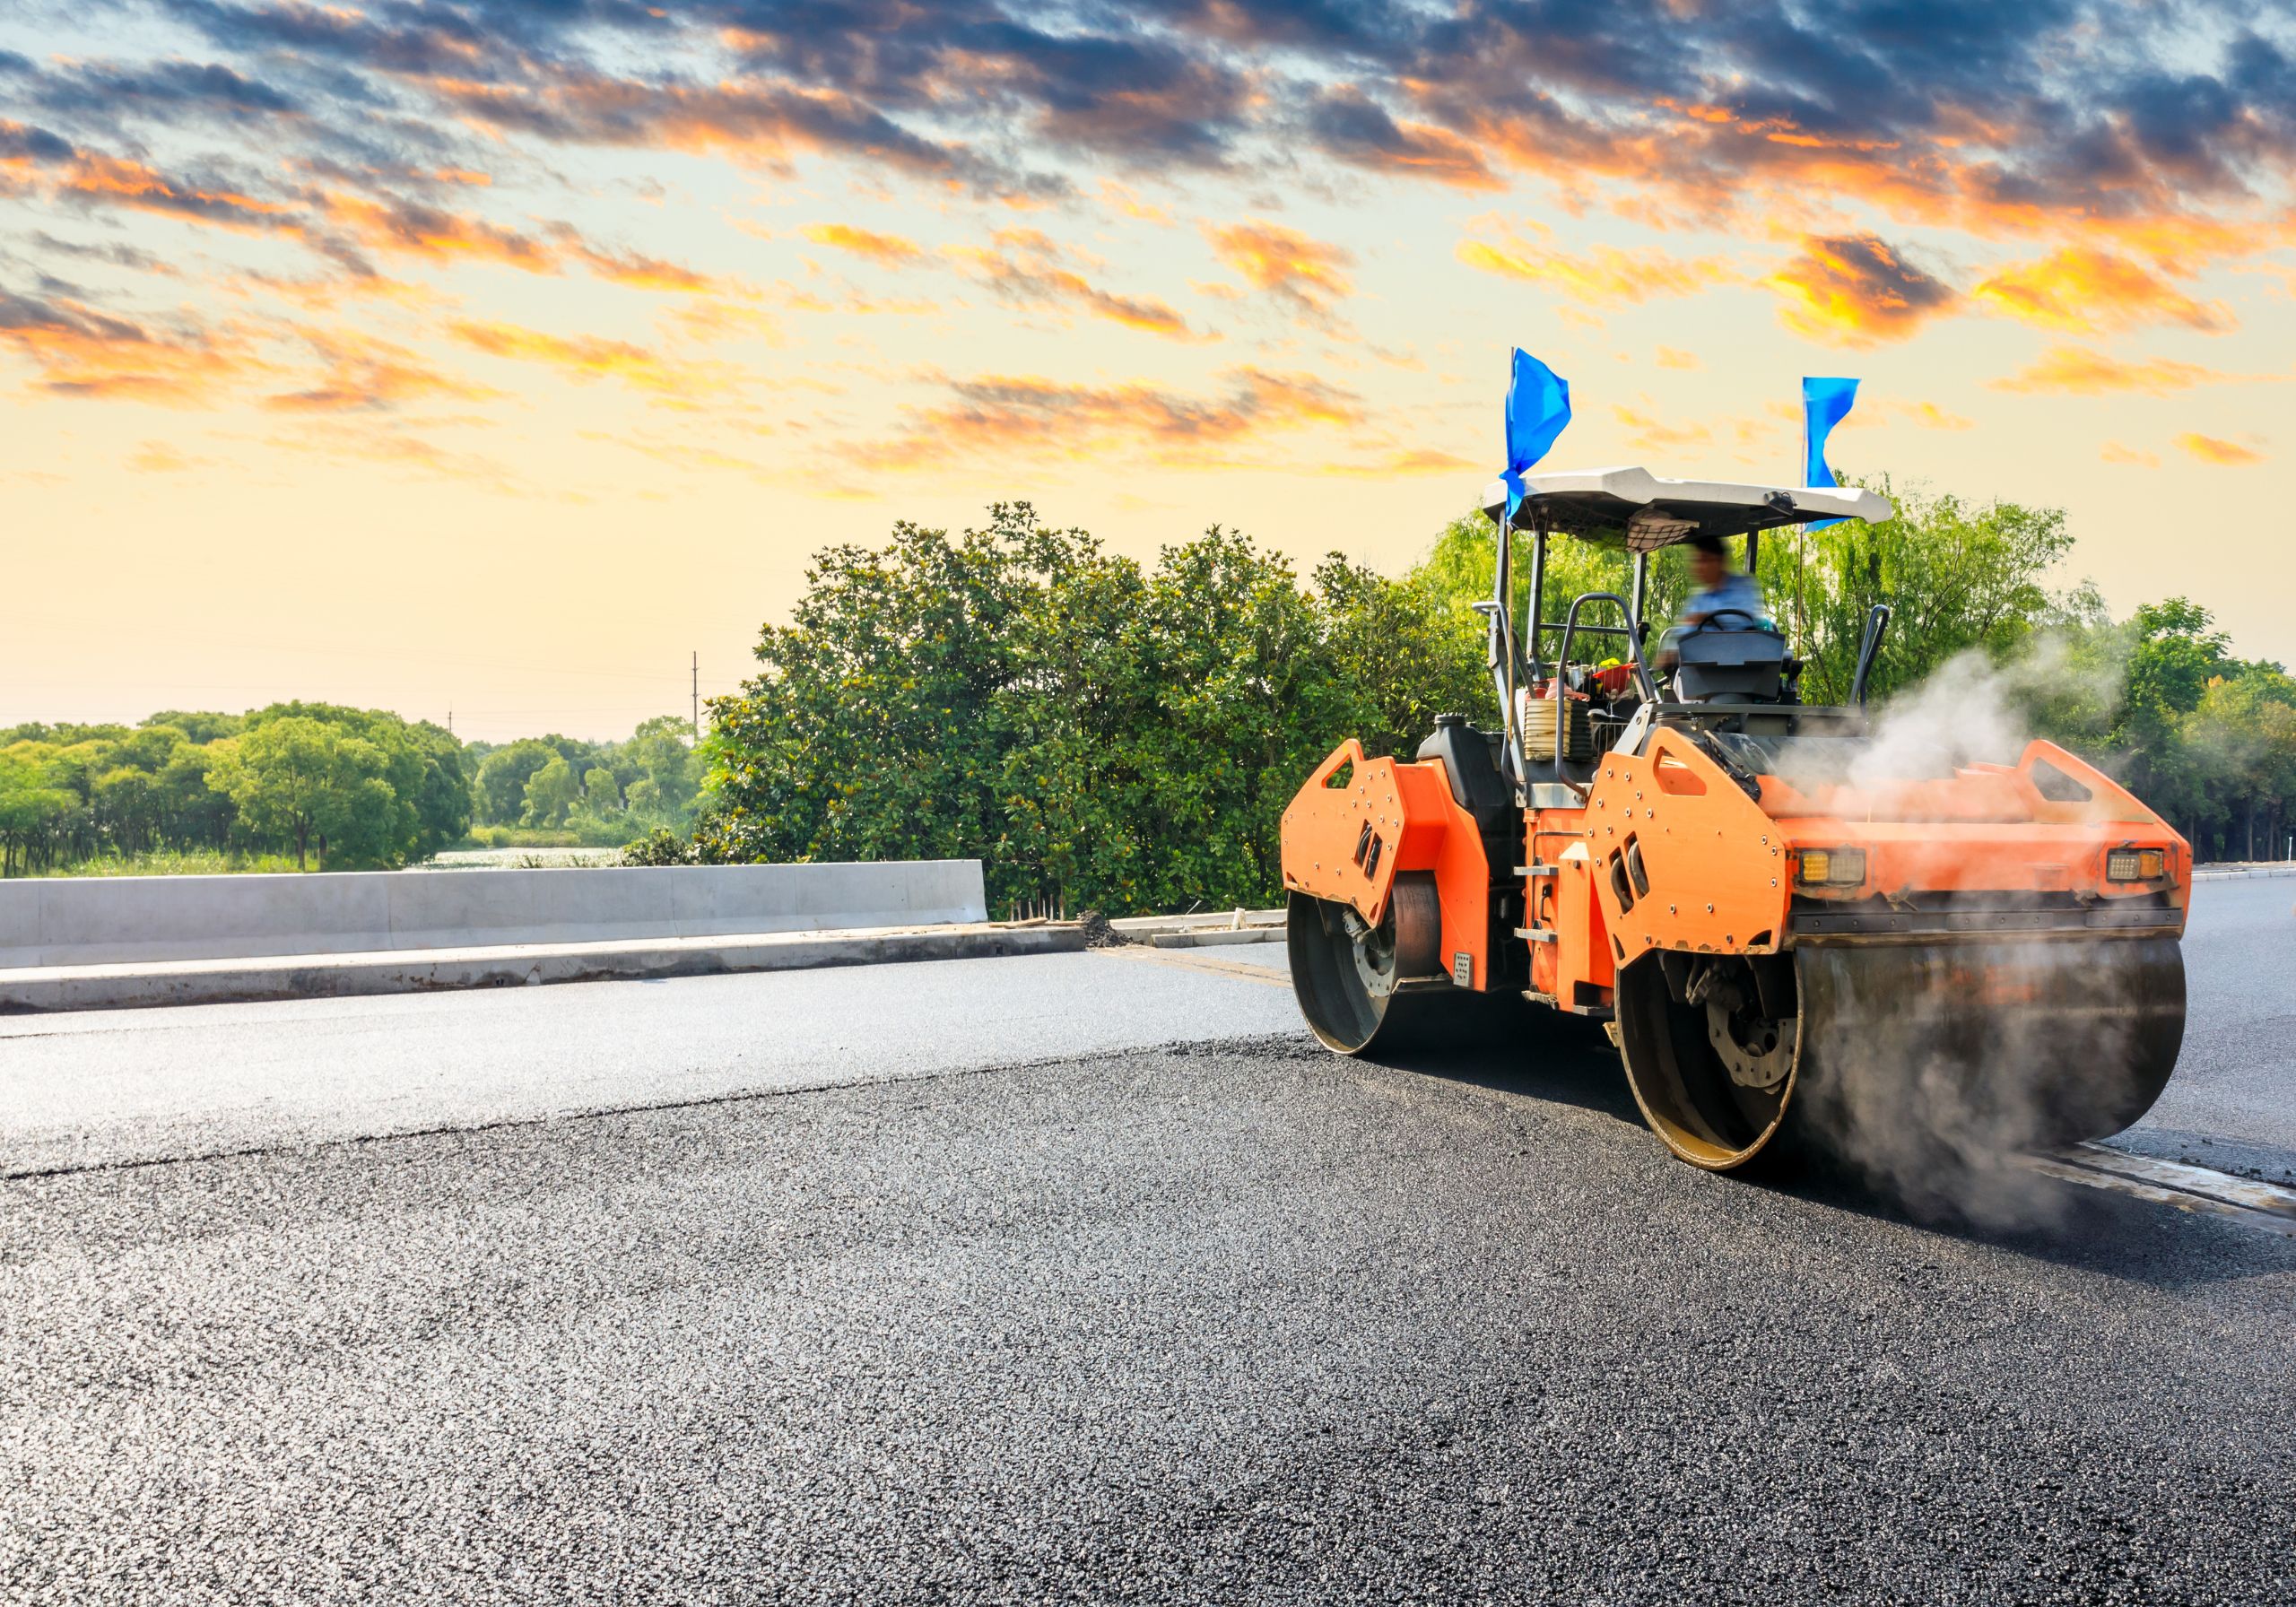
[(1936, 112), (2070, 91), (168, 90)]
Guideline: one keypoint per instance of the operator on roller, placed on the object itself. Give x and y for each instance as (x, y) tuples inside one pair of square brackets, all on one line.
[(1722, 589)]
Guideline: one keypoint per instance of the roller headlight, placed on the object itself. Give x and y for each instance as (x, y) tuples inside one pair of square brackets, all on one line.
[(2137, 865), (1832, 867)]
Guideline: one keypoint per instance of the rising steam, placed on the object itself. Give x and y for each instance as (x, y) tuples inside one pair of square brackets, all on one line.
[(1939, 1064), (1972, 710)]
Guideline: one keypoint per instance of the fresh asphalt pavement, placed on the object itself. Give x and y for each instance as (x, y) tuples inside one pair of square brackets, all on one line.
[(1084, 1277), (95, 1088), (2232, 1101)]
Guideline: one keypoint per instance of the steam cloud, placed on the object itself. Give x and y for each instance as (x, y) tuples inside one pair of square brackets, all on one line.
[(1937, 1065)]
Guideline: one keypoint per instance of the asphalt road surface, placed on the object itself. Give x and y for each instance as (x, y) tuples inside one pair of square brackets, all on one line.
[(947, 1282)]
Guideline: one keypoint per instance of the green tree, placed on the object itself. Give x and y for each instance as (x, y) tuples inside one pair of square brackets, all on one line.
[(1397, 652), (303, 781), (502, 778), (872, 731), (1957, 575), (662, 758), (2246, 727), (201, 727), (600, 792), (443, 798), (32, 809), (2175, 652), (422, 766), (1246, 704), (196, 814), (551, 793), (125, 802), (1073, 796), (1092, 733)]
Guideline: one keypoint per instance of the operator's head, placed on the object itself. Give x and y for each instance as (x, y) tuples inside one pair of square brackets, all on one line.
[(1708, 560)]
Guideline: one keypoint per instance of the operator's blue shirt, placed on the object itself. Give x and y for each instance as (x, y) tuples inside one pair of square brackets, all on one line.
[(1736, 589)]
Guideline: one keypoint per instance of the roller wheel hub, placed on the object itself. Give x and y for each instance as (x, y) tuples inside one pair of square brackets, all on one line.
[(1756, 1051), (1373, 950)]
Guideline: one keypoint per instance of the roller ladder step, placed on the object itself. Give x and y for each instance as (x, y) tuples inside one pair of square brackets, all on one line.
[(1604, 1014)]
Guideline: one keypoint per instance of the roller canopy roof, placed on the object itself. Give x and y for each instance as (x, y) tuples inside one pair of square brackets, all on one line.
[(1644, 511)]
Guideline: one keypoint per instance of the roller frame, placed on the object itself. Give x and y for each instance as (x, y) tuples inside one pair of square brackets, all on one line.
[(1675, 853)]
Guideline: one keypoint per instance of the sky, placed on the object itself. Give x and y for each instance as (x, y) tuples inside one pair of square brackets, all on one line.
[(487, 360)]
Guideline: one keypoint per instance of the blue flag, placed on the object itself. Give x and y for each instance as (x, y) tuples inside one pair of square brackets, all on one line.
[(1538, 405), (1825, 402)]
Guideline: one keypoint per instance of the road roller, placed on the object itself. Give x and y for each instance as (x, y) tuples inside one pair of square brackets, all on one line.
[(1792, 920)]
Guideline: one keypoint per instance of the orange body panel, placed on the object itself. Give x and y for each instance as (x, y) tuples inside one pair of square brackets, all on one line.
[(1714, 877), (2042, 845), (1584, 968), (1348, 803), (1720, 867), (1417, 825)]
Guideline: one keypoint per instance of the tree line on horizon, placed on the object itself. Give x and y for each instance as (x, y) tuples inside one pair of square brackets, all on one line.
[(320, 785), (1106, 733)]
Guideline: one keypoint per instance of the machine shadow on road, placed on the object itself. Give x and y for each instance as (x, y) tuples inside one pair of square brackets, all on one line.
[(1509, 1049), (2065, 1224), (1563, 1061)]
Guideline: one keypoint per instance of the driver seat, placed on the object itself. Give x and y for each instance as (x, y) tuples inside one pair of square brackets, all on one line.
[(1736, 664)]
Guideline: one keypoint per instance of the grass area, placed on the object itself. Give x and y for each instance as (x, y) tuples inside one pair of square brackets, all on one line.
[(175, 862), (522, 836), (514, 846), (519, 859)]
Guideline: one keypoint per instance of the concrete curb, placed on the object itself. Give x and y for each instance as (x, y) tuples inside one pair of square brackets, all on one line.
[(528, 965), (1214, 940), (1208, 929), (2241, 873)]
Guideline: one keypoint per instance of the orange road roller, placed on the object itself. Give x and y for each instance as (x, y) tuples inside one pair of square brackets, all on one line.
[(1790, 922)]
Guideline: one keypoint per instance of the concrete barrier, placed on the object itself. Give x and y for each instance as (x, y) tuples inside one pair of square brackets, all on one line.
[(66, 921), (516, 965)]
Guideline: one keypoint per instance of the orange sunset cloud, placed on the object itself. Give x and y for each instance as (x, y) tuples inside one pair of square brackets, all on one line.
[(2073, 371), (2209, 449), (1605, 277), (1307, 274), (2084, 292), (1027, 268), (82, 353), (995, 412), (886, 251), (584, 358), (1855, 290)]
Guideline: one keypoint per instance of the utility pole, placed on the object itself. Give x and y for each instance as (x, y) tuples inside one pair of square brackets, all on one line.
[(697, 694)]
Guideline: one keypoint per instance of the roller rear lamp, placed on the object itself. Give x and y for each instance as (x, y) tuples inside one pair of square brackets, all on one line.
[(1832, 867), (2137, 865)]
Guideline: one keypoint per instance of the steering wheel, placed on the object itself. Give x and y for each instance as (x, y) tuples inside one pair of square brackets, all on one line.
[(1753, 622)]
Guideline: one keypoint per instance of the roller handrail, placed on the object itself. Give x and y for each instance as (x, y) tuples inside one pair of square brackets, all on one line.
[(1562, 664), (1877, 621), (1501, 652), (1500, 659), (1589, 629)]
